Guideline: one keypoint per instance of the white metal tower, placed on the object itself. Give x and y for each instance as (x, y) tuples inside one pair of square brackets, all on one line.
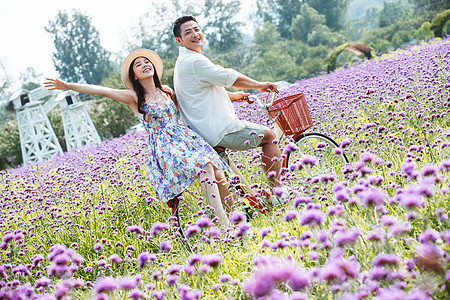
[(79, 129), (37, 138)]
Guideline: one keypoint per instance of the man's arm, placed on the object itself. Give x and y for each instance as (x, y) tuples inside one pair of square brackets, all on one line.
[(245, 82)]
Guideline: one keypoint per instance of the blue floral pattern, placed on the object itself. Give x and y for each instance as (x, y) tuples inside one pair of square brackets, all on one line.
[(175, 153)]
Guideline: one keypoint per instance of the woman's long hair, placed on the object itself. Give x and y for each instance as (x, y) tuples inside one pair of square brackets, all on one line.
[(140, 91)]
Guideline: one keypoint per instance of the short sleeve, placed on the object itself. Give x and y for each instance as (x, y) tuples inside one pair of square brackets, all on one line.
[(212, 74)]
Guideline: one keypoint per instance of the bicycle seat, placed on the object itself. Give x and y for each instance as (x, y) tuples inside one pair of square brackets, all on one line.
[(219, 148)]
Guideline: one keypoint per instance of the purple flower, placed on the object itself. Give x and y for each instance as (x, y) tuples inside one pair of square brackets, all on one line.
[(344, 143), (128, 282), (213, 260), (194, 259), (378, 273), (191, 230), (290, 215), (159, 295), (224, 278), (346, 237), (397, 229), (290, 147), (204, 221), (265, 231), (429, 170), (165, 246), (172, 280), (382, 260), (105, 284), (301, 199), (298, 279), (429, 235), (242, 229), (372, 196), (43, 281), (135, 229), (98, 247), (145, 257), (411, 200), (308, 160), (36, 259), (174, 269), (186, 294), (237, 217), (136, 294), (312, 217), (115, 258), (158, 227), (388, 220), (330, 272)]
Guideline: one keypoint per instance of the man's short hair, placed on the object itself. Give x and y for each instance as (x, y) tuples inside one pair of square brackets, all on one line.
[(177, 24)]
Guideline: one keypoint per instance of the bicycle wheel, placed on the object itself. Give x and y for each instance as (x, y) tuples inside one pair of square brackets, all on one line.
[(316, 156)]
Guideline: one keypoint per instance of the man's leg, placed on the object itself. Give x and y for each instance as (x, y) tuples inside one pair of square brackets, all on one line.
[(249, 138), (271, 156)]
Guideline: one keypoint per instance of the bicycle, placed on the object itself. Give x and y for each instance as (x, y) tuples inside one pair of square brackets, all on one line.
[(291, 119)]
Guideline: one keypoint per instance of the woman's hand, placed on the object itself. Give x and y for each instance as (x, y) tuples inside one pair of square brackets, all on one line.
[(56, 84)]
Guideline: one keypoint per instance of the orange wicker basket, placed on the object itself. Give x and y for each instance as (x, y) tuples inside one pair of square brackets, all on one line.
[(292, 114)]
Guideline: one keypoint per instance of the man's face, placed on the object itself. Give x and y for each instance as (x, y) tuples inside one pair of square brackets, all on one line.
[(191, 36)]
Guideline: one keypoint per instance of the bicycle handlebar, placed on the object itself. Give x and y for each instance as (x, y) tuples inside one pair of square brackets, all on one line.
[(265, 103)]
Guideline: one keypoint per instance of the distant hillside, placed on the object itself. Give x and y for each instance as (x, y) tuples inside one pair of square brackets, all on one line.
[(357, 7)]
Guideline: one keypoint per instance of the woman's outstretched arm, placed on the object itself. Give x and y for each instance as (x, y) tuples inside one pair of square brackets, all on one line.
[(124, 96)]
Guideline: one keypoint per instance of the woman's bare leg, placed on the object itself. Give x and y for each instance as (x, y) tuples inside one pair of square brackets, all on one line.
[(227, 200), (211, 191)]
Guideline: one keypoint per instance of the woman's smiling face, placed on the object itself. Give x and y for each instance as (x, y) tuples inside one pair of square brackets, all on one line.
[(143, 68)]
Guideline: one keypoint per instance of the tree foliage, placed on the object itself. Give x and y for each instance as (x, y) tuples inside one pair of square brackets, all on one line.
[(438, 23), (111, 118), (392, 12), (78, 54), (222, 30), (433, 5), (282, 12), (10, 151)]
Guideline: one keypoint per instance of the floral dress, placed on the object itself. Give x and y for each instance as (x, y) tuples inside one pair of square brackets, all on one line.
[(175, 153)]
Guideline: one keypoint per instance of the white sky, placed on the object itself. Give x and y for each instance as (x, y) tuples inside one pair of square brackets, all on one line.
[(25, 43)]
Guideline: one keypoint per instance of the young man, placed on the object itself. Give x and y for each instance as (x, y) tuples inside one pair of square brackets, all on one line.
[(205, 105)]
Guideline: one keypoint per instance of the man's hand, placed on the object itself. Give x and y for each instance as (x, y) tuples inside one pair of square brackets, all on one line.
[(267, 87), (238, 96)]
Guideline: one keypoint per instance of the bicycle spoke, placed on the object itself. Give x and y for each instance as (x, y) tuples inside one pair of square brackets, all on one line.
[(321, 148)]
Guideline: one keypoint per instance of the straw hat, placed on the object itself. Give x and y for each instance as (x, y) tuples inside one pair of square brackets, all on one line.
[(150, 55)]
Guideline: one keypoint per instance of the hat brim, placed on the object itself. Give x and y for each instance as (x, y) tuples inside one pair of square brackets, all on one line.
[(150, 55)]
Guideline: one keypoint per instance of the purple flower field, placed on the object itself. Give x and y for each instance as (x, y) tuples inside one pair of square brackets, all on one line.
[(86, 224)]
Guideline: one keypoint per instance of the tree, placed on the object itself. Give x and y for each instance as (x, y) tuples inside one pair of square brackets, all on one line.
[(356, 27), (282, 12), (305, 22), (335, 11), (154, 28), (392, 12), (274, 59), (111, 118), (427, 5), (78, 51), (10, 150), (279, 12), (222, 30)]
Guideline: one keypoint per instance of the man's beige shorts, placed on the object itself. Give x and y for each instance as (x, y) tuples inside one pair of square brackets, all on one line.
[(248, 137)]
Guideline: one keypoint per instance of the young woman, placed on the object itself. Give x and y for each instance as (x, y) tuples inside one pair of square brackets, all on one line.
[(176, 155)]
